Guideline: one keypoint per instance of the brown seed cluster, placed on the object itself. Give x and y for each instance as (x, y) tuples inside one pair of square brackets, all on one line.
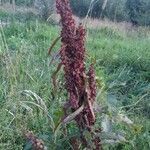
[(37, 144), (81, 86), (80, 89)]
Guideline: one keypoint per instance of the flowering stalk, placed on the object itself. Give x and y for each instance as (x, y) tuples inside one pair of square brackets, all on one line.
[(81, 87)]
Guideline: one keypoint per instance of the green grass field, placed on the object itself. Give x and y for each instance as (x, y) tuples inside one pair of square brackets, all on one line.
[(122, 63)]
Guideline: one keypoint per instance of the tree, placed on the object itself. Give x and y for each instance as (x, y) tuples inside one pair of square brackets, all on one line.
[(80, 7), (112, 9), (135, 9)]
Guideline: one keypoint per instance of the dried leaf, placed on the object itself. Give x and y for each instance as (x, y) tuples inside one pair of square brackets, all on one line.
[(54, 76), (73, 115), (53, 44), (123, 118)]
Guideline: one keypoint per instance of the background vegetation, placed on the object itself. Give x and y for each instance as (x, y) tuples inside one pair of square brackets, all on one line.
[(27, 101), (135, 11)]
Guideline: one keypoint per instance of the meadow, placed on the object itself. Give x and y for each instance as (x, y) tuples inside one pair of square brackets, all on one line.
[(28, 102)]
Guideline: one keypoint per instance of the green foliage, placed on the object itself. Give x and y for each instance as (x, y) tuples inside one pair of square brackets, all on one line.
[(114, 10), (136, 11), (27, 100), (4, 14), (6, 17), (80, 7), (45, 8), (24, 2), (19, 2)]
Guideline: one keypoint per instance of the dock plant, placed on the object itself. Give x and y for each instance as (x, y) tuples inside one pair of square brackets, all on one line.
[(80, 82)]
